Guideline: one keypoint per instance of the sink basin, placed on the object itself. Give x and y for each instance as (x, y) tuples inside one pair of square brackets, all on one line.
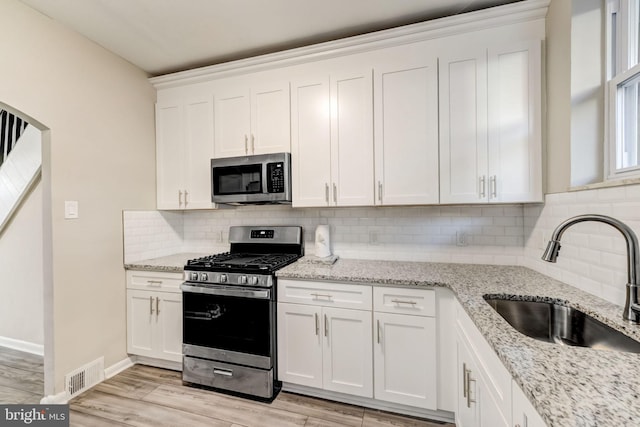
[(559, 324)]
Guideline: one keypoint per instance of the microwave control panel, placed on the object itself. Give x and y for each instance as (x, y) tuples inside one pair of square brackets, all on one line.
[(275, 177)]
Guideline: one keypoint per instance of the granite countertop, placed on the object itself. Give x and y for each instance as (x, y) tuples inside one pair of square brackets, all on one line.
[(171, 263), (569, 386)]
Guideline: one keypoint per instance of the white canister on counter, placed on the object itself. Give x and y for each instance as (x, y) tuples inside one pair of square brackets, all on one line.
[(323, 241)]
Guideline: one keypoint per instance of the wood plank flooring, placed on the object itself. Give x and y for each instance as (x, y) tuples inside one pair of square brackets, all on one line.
[(147, 396), (21, 377)]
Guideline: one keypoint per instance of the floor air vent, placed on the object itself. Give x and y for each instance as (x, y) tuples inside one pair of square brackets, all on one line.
[(84, 377)]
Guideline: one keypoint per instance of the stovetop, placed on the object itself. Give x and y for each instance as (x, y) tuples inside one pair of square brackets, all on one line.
[(242, 262)]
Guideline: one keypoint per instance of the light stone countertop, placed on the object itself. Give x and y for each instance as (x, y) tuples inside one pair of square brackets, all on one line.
[(172, 263), (569, 386)]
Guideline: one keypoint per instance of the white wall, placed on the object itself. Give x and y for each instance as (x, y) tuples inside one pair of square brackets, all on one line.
[(97, 111), (21, 308)]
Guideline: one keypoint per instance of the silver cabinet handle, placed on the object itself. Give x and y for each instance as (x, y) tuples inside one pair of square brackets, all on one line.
[(186, 198), (335, 193), (179, 197), (326, 192), (157, 306), (225, 372), (378, 330), (465, 385), (315, 315), (326, 326), (380, 191), (469, 379), (151, 305), (253, 144), (483, 189), (154, 283), (493, 186), (318, 296), (246, 145), (399, 301)]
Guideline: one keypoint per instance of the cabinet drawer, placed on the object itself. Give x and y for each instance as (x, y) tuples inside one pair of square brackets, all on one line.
[(328, 294), (419, 302), (154, 280)]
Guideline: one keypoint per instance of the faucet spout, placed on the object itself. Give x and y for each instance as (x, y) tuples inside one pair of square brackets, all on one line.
[(632, 304)]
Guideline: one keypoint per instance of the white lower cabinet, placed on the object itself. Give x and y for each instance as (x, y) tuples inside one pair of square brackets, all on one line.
[(405, 347), (154, 315), (522, 411), (487, 395), (324, 347)]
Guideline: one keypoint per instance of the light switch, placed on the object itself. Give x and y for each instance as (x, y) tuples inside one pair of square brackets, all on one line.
[(70, 209)]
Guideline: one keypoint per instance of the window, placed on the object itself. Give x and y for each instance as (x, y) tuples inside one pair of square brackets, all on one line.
[(623, 88)]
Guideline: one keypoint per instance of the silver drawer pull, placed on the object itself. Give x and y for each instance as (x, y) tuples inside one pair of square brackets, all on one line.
[(225, 372), (399, 301), (154, 282), (318, 296)]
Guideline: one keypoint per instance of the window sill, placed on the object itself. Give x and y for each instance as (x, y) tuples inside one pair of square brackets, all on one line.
[(606, 184)]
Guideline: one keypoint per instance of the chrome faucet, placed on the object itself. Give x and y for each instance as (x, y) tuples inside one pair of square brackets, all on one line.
[(632, 305)]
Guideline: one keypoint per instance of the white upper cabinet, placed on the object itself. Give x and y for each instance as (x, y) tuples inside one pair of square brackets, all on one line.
[(251, 120), (332, 140), (310, 142), (406, 131), (184, 147), (490, 125)]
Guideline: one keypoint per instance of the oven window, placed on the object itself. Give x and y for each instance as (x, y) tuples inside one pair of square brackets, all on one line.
[(227, 323), (246, 179)]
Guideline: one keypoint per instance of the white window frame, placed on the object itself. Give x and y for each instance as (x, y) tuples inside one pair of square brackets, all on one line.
[(622, 53)]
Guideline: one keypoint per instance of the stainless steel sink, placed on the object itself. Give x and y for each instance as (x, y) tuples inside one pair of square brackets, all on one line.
[(559, 324)]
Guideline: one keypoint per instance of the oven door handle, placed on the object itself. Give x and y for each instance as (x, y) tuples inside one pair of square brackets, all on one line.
[(227, 291)]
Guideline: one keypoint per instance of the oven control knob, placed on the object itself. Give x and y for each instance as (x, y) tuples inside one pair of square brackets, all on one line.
[(242, 280), (204, 277), (193, 276), (253, 280), (223, 278)]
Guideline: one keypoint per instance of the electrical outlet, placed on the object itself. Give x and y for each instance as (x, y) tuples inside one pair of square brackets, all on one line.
[(461, 238), (71, 209)]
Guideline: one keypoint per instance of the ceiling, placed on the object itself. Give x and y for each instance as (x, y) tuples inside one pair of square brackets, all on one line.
[(163, 36)]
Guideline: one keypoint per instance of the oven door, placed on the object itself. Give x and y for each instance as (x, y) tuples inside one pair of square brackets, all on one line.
[(229, 324)]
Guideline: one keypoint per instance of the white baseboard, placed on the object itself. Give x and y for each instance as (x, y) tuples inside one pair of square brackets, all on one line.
[(61, 398), (27, 347), (118, 367), (437, 415), (158, 363)]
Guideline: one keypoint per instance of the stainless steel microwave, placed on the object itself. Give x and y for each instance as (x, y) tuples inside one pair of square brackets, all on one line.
[(257, 179)]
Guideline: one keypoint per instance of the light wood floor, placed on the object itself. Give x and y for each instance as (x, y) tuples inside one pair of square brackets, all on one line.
[(146, 396), (21, 377)]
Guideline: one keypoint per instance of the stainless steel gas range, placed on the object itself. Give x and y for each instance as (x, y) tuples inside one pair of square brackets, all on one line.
[(229, 311)]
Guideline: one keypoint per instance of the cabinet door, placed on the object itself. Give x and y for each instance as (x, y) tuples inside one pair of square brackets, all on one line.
[(402, 375), (406, 132), (468, 414), (515, 165), (168, 333), (347, 352), (270, 119), (140, 322), (523, 412), (300, 344), (352, 139), (169, 153), (463, 128), (232, 122), (198, 113), (310, 142)]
